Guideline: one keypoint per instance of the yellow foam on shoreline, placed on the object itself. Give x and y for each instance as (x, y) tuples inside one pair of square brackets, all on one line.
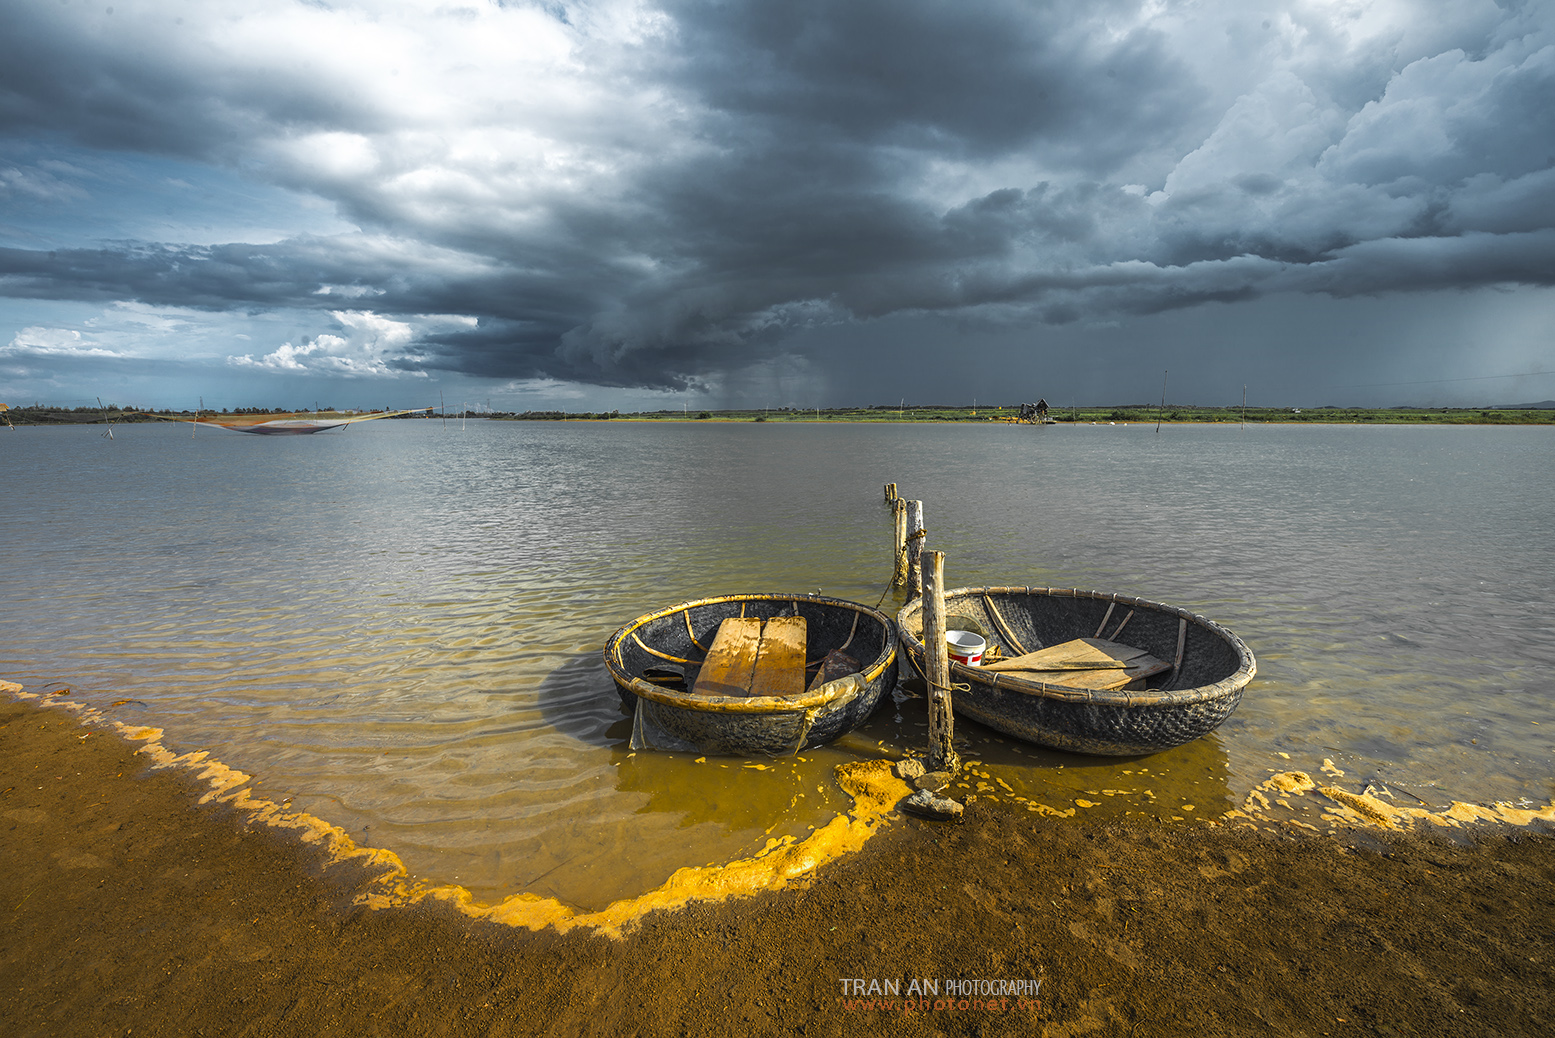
[(1344, 808), (872, 785), (875, 791)]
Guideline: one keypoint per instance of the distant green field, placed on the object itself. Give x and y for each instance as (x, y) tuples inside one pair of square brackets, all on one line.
[(1086, 415)]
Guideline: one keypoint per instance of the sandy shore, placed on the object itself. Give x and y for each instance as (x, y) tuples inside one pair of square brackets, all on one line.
[(131, 909)]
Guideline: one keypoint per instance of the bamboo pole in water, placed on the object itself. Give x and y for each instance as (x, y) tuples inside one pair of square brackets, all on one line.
[(899, 554), (915, 536), (936, 660)]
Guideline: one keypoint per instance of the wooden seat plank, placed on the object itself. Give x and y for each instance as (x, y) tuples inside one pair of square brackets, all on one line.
[(780, 661), (1093, 663), (731, 659), (1077, 654)]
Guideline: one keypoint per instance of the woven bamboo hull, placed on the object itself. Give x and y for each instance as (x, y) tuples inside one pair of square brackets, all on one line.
[(676, 639), (1186, 702)]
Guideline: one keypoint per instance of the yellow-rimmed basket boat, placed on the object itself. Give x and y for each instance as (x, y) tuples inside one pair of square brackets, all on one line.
[(655, 660), (1206, 668)]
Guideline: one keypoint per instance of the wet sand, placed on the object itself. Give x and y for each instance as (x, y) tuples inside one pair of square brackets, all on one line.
[(130, 908)]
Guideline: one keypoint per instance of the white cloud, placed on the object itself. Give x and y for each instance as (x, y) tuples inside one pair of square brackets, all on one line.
[(370, 346), (54, 342), (39, 182), (286, 358)]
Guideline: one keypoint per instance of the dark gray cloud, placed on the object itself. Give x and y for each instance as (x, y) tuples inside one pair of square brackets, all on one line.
[(971, 81), (652, 196)]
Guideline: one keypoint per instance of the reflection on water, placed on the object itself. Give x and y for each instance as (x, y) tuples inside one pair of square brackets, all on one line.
[(399, 627), (1191, 781)]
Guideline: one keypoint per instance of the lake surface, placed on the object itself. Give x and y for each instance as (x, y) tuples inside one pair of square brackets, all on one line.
[(399, 627)]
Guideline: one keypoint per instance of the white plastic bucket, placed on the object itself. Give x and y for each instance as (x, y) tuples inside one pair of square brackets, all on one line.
[(966, 647)]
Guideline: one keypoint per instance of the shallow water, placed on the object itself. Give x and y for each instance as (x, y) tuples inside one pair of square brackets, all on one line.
[(399, 626)]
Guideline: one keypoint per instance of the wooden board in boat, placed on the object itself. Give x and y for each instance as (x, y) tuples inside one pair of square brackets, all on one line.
[(752, 658), (1084, 663), (780, 660), (731, 660)]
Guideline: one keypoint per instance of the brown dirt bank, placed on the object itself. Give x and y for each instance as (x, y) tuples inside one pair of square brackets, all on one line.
[(128, 909)]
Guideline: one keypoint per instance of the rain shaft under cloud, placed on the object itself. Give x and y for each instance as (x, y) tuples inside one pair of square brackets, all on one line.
[(660, 197)]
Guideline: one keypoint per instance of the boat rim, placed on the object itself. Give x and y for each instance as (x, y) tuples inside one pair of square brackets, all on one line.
[(1247, 666), (842, 688)]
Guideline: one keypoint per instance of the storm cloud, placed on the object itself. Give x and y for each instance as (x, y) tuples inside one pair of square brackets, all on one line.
[(665, 195)]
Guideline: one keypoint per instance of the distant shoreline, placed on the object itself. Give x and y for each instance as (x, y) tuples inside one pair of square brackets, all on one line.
[(1136, 414), (1181, 415)]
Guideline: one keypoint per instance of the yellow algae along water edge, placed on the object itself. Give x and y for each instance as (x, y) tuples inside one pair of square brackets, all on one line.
[(872, 785), (875, 790), (1344, 808)]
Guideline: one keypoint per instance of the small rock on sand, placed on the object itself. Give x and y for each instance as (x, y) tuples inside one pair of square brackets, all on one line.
[(927, 804), (932, 780), (908, 769)]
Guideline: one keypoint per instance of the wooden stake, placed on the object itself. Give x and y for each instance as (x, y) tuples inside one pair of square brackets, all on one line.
[(899, 555), (915, 535), (890, 493), (936, 658)]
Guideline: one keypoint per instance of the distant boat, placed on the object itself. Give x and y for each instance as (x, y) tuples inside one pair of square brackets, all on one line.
[(292, 424)]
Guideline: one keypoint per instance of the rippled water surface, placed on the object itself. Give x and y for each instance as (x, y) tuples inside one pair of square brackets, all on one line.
[(399, 627)]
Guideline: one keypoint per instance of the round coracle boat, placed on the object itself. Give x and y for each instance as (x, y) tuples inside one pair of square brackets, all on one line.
[(1087, 671), (752, 675)]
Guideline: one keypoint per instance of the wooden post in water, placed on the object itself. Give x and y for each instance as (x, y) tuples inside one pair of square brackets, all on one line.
[(936, 660), (915, 535), (890, 493), (899, 555)]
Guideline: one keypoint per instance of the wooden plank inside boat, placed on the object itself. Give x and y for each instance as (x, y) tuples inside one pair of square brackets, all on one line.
[(780, 660), (750, 657), (1094, 663), (731, 660)]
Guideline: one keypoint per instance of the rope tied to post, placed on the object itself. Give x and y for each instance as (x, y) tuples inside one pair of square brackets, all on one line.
[(901, 561), (954, 686)]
